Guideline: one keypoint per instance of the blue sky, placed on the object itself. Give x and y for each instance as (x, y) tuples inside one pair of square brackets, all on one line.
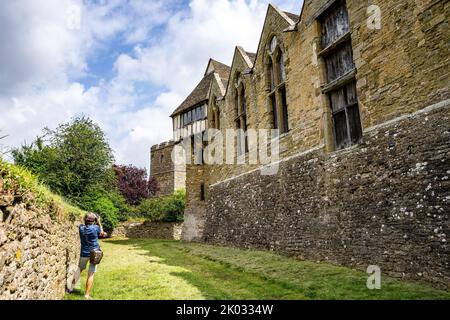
[(127, 64)]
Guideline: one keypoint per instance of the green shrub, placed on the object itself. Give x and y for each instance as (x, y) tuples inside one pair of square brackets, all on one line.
[(174, 206), (19, 180), (99, 202), (107, 211), (166, 209), (71, 160), (150, 209), (124, 209)]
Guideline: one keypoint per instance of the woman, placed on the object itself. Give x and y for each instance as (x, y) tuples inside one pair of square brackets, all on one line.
[(89, 235)]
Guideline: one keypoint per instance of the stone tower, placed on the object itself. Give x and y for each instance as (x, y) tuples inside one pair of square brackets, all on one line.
[(170, 176), (190, 119)]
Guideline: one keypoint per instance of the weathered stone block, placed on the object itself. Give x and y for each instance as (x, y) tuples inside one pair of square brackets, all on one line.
[(6, 200)]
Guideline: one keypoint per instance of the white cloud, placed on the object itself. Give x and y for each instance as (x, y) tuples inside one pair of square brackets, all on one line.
[(40, 58), (210, 29), (36, 46)]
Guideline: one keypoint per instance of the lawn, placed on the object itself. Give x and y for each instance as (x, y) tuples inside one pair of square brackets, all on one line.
[(169, 270)]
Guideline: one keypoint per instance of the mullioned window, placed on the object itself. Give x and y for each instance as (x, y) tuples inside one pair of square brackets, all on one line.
[(277, 86), (337, 53), (241, 114)]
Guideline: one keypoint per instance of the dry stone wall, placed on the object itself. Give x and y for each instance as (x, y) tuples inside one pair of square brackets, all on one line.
[(149, 230), (195, 212), (39, 249), (385, 202)]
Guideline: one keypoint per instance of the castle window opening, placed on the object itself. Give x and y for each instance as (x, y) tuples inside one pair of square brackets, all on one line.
[(340, 75), (202, 192), (217, 119), (215, 115), (241, 114), (276, 72)]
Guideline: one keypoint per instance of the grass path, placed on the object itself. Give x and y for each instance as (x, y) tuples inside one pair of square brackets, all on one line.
[(168, 270)]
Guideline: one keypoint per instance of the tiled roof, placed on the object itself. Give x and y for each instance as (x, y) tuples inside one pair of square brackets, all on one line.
[(292, 16), (222, 69), (200, 93), (252, 56)]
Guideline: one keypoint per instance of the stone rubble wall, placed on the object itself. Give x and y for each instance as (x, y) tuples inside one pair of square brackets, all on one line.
[(195, 212), (169, 176), (39, 250), (149, 230), (385, 202)]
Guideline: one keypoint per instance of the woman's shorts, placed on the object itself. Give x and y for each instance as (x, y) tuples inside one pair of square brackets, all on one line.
[(83, 264)]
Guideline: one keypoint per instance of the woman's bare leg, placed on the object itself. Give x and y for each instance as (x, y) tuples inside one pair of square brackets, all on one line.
[(89, 284)]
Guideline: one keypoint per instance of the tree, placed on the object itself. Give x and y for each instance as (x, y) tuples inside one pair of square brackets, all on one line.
[(83, 153), (72, 159), (134, 185), (39, 158), (75, 160)]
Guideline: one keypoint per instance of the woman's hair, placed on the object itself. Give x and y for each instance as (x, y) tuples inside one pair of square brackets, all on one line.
[(90, 218)]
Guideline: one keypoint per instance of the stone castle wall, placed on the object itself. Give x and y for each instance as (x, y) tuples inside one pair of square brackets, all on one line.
[(39, 249), (149, 230), (170, 177), (385, 202), (379, 202), (195, 212), (401, 68)]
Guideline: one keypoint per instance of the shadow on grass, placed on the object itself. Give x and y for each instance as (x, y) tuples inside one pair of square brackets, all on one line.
[(227, 273), (213, 279)]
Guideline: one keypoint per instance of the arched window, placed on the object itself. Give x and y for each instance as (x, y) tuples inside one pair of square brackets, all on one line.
[(236, 109), (217, 118), (241, 113), (340, 75), (281, 68), (273, 44), (211, 113), (214, 114), (277, 86), (213, 119), (202, 192)]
